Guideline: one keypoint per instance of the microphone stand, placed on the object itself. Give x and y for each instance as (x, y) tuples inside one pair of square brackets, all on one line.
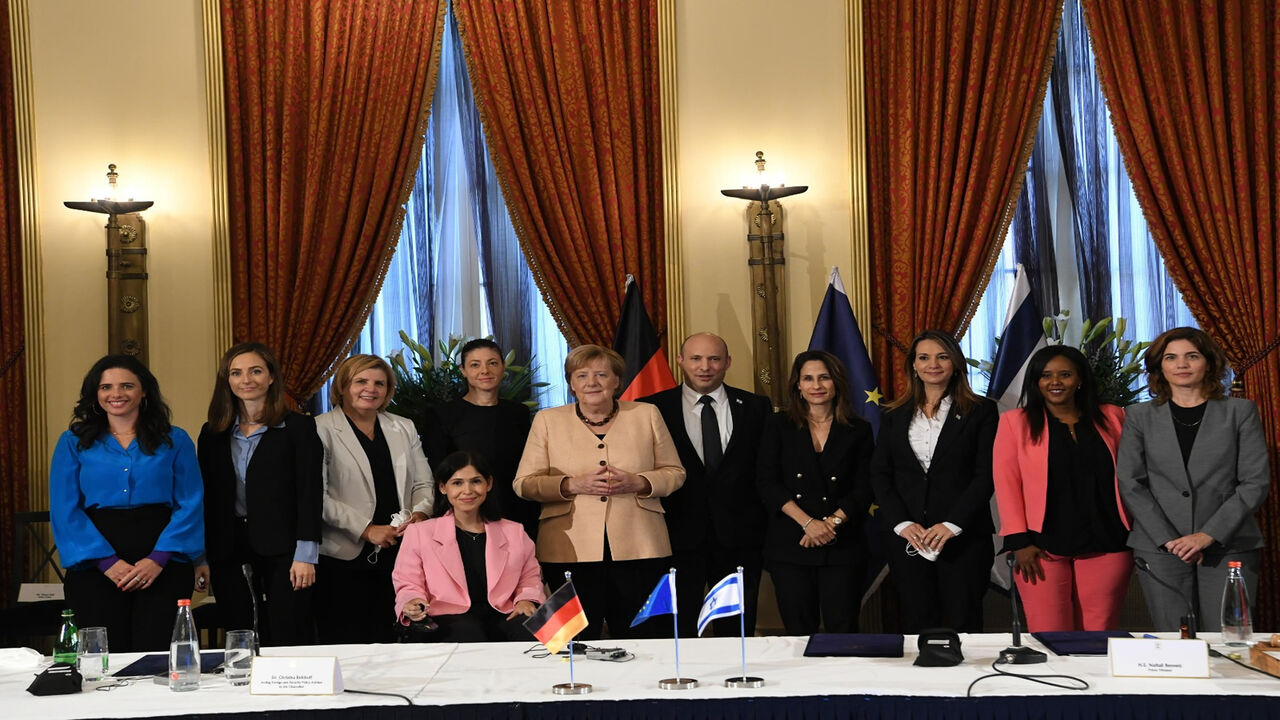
[(247, 570), (1190, 618), (1018, 654)]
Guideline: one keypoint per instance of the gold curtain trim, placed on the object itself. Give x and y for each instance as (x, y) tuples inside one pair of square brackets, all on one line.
[(673, 243), (215, 102), (406, 188), (858, 280), (32, 258), (507, 186), (1020, 178)]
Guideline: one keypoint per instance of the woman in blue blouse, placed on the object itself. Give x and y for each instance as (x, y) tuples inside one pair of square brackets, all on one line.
[(126, 504)]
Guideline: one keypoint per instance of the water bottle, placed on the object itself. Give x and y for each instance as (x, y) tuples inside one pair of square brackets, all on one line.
[(184, 651), (1237, 624), (67, 646)]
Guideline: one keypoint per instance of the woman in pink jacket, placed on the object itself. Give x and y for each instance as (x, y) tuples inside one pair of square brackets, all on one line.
[(1060, 510), (468, 569)]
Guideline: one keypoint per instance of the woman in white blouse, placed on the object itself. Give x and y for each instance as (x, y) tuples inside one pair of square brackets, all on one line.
[(932, 478)]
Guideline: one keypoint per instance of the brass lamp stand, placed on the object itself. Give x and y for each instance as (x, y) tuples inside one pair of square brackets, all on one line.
[(126, 268), (768, 281)]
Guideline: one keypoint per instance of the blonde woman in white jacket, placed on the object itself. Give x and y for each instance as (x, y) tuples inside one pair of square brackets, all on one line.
[(377, 482)]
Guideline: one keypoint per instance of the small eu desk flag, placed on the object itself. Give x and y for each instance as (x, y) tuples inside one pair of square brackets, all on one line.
[(662, 601), (559, 619)]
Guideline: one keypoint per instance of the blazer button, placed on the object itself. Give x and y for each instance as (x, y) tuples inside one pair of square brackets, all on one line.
[(602, 462), (600, 446), (824, 498), (799, 475), (1186, 493), (798, 496), (833, 478), (604, 498)]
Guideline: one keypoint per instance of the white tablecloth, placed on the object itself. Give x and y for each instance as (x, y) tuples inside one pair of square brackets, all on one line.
[(500, 672)]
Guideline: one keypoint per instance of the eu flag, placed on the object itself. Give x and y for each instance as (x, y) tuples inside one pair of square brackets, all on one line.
[(662, 601), (836, 331)]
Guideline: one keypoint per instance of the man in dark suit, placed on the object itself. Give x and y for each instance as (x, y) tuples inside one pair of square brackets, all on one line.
[(716, 520)]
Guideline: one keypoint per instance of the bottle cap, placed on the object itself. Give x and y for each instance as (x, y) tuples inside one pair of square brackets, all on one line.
[(184, 602), (1233, 563)]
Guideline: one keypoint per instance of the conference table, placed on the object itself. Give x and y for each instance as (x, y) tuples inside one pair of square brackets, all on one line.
[(503, 680)]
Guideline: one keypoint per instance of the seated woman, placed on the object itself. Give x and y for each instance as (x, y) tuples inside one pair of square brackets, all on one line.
[(471, 571)]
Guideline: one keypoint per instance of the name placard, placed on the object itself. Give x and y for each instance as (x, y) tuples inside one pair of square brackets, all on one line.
[(295, 676), (38, 592), (1145, 657)]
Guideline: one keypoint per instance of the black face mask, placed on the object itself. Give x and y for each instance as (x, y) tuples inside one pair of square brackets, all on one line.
[(59, 679), (939, 648)]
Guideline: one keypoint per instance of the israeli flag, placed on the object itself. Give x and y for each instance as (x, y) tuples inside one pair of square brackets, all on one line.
[(724, 600), (1022, 336)]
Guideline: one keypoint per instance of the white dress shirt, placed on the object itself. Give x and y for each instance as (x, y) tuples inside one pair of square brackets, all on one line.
[(693, 416), (922, 435)]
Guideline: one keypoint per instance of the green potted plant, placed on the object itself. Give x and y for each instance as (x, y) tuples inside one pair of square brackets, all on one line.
[(1116, 362), (422, 383)]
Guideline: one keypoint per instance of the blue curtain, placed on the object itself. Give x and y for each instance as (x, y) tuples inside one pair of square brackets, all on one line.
[(1077, 227)]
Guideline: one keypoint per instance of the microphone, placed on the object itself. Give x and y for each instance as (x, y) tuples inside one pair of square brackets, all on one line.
[(1017, 654), (247, 570), (1189, 620)]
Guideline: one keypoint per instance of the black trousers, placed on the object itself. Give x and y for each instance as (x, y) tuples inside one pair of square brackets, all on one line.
[(945, 593), (613, 591), (487, 626), (284, 613), (355, 601), (136, 621), (698, 570), (806, 593)]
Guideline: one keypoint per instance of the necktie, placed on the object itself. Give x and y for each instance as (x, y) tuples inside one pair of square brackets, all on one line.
[(712, 453)]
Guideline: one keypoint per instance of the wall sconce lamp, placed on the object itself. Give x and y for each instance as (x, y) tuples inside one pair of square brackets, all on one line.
[(768, 281), (126, 267)]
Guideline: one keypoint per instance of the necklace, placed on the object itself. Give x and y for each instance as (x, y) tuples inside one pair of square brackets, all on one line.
[(124, 434), (475, 537), (1186, 424), (607, 418)]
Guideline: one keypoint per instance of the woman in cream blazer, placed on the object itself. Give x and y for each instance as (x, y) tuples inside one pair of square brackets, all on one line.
[(374, 471), (599, 467)]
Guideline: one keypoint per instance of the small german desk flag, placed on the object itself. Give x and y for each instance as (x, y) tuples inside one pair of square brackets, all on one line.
[(559, 619), (636, 341)]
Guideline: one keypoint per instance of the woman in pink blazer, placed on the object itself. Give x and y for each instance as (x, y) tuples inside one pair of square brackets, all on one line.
[(471, 571), (1060, 510)]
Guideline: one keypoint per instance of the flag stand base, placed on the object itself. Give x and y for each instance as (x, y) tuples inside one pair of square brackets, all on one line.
[(677, 684), (571, 689), (744, 681)]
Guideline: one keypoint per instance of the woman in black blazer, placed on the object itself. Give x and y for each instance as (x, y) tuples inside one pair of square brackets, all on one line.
[(932, 479), (813, 479), (261, 464)]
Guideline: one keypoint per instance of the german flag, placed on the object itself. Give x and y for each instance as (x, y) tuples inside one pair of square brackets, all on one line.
[(559, 619), (636, 341)]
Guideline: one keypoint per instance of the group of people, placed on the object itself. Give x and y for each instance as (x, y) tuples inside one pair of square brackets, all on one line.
[(340, 529)]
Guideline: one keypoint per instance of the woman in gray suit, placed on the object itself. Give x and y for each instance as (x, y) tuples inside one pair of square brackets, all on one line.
[(1192, 469), (377, 482)]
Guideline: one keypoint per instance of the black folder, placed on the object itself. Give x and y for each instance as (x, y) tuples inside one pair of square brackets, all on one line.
[(853, 645), (158, 664), (1079, 642)]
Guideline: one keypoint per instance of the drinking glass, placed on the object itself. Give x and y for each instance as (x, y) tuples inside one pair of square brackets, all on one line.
[(93, 653), (239, 657)]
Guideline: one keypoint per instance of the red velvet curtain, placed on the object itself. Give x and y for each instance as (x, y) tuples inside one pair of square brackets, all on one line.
[(568, 94), (326, 106), (13, 382), (954, 92), (1194, 92)]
